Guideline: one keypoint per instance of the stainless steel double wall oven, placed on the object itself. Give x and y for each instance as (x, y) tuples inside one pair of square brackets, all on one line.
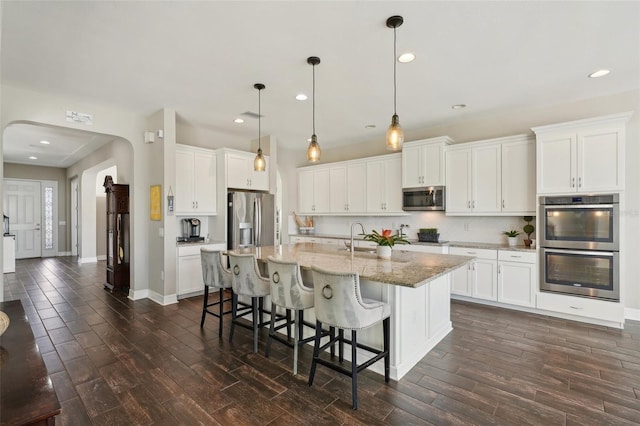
[(579, 245)]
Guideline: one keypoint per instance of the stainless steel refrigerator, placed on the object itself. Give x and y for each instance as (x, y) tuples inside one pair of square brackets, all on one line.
[(250, 219)]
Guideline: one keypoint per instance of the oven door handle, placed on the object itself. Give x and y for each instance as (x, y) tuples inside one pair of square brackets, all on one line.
[(581, 252), (578, 206)]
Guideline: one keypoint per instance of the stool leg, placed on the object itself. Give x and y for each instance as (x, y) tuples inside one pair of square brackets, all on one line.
[(234, 314), (296, 341), (332, 335), (220, 311), (386, 328), (288, 323), (205, 300), (316, 351), (254, 311), (301, 324), (272, 326), (354, 370), (340, 345)]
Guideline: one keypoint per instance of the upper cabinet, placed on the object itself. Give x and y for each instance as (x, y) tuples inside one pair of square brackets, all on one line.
[(384, 181), (313, 190), (423, 162), (493, 177), (366, 186), (195, 181), (581, 156), (240, 172)]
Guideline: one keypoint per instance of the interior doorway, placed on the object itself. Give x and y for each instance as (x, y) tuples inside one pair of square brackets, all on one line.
[(22, 201), (75, 195)]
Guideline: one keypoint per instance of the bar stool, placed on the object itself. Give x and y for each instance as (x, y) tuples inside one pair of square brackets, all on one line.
[(215, 275), (288, 292), (338, 303), (247, 281)]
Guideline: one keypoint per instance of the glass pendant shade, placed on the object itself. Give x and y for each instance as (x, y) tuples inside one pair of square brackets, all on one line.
[(313, 151), (395, 135), (259, 164)]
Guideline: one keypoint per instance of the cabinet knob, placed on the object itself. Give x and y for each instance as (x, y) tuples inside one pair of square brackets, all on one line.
[(468, 204), (573, 182), (580, 182), (503, 204)]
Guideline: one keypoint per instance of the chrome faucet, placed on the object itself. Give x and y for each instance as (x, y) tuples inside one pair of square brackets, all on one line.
[(363, 231)]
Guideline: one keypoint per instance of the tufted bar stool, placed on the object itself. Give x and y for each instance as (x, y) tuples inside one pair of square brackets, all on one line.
[(215, 275), (339, 304), (247, 281), (289, 292)]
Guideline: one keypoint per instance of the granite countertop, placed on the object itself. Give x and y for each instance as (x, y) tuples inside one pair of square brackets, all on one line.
[(470, 244), (198, 243), (407, 269)]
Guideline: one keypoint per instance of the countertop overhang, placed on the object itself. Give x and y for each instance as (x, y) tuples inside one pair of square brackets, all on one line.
[(407, 269)]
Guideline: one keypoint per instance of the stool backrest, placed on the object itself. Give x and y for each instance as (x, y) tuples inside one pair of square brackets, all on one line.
[(337, 299), (245, 276), (287, 288), (214, 274)]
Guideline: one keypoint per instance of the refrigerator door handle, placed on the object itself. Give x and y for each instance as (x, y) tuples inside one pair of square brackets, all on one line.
[(256, 222), (259, 222)]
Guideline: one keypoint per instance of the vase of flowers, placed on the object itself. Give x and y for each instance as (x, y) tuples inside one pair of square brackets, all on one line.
[(385, 241)]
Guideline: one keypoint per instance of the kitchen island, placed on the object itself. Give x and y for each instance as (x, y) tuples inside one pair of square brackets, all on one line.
[(416, 285)]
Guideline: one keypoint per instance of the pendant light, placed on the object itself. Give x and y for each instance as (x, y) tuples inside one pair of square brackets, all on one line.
[(395, 135), (313, 151), (259, 164)]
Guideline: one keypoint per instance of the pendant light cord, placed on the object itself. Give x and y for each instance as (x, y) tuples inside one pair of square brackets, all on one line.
[(259, 117), (394, 70), (314, 99)]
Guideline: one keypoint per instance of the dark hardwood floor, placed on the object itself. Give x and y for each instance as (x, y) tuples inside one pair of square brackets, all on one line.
[(116, 361)]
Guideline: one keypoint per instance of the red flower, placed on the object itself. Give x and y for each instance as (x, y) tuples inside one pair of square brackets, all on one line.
[(386, 232)]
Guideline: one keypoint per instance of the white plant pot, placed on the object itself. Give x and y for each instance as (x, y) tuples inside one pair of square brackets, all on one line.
[(383, 252), (513, 241)]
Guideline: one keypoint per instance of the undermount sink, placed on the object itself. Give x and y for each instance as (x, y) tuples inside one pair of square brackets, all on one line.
[(360, 249)]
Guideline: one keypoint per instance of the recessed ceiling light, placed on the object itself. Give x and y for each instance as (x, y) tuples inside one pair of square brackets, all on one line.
[(370, 126), (458, 106), (33, 158), (599, 73), (238, 120), (406, 57), (301, 97), (45, 142)]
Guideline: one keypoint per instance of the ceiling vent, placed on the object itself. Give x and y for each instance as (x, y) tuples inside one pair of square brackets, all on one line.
[(252, 115), (79, 117)]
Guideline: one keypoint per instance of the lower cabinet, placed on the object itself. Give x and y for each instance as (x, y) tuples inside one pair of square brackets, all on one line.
[(479, 279), (517, 278), (190, 268)]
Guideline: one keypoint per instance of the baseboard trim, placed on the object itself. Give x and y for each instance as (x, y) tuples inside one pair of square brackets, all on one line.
[(87, 260), (102, 257), (632, 314), (63, 253)]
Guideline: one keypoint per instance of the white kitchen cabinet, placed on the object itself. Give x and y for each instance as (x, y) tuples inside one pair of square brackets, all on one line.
[(189, 268), (517, 282), (240, 172), (195, 181), (314, 190), (581, 156), (473, 177), (347, 187), (384, 184), (581, 308), (479, 279), (423, 162), (519, 177), (423, 248)]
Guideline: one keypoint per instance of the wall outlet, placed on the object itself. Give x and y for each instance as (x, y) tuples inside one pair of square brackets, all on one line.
[(161, 275), (466, 226)]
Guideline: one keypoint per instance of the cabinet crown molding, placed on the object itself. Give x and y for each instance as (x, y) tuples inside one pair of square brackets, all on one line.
[(605, 120), (495, 141), (440, 139)]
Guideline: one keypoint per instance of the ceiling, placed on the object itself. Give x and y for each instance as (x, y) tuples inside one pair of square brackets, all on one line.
[(202, 59)]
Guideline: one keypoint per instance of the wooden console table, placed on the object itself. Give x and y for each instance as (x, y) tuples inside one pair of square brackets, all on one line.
[(26, 391)]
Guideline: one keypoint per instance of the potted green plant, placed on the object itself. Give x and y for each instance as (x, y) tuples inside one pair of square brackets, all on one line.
[(385, 241), (528, 229), (428, 235), (512, 236)]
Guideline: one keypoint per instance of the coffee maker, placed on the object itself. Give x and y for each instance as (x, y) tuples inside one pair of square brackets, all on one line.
[(191, 229)]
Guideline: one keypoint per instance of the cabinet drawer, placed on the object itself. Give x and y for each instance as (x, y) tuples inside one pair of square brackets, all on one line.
[(191, 250), (475, 252), (517, 256), (580, 306)]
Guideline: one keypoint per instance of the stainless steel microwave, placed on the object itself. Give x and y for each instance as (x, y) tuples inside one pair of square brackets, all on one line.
[(427, 198)]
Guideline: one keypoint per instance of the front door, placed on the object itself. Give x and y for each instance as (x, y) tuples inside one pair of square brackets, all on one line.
[(22, 204)]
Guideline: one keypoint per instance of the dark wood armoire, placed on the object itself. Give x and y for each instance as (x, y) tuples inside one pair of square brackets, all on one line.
[(118, 235)]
